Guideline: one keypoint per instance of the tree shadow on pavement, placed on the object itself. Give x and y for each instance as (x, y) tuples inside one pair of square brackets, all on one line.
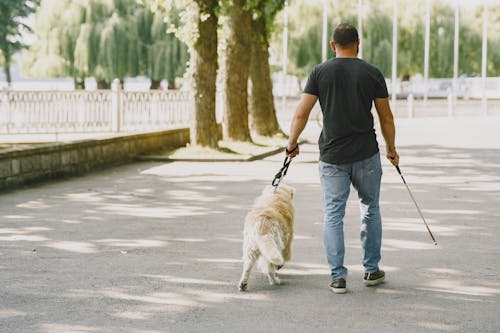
[(152, 247)]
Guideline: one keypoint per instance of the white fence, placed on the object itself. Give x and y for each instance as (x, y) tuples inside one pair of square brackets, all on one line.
[(106, 111), (113, 110), (465, 88)]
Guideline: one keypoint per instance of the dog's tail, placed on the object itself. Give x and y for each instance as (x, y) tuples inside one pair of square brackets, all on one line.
[(267, 236)]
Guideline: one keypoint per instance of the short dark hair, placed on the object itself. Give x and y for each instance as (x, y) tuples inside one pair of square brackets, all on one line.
[(345, 35)]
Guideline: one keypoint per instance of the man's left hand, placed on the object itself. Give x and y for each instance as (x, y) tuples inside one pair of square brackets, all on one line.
[(292, 150)]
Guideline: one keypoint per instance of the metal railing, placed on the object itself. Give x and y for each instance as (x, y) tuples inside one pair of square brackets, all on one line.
[(44, 112)]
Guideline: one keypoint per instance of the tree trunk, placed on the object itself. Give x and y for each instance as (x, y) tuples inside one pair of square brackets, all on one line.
[(79, 83), (8, 77), (7, 61), (155, 84), (171, 84), (237, 72), (103, 84), (203, 129), (263, 119)]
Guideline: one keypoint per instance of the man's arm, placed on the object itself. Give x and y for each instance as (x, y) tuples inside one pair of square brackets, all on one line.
[(388, 128), (299, 121)]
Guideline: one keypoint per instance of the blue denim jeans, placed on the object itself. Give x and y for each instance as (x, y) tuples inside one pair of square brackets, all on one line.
[(365, 177)]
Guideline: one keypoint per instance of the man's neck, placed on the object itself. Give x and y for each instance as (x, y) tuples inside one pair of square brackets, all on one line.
[(346, 55)]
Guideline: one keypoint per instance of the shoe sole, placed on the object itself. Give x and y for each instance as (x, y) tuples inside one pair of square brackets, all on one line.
[(338, 290), (370, 283)]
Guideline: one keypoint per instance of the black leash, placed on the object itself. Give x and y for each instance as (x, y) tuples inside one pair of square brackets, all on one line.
[(282, 173)]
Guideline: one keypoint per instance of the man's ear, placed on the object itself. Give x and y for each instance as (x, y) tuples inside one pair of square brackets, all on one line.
[(332, 45)]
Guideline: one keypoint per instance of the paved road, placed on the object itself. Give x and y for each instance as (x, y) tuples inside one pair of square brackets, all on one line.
[(152, 247)]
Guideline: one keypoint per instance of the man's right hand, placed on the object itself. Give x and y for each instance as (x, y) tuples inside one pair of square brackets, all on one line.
[(393, 157)]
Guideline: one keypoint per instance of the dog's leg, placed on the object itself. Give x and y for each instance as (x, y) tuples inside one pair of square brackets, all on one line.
[(248, 263), (287, 251), (271, 274)]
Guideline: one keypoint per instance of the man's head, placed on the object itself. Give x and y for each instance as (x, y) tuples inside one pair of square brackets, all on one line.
[(345, 39)]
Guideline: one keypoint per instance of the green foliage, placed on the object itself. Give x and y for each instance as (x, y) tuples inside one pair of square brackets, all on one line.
[(12, 14), (410, 50), (304, 37), (105, 39), (377, 41), (114, 48), (305, 33), (470, 51), (267, 9), (441, 41), (168, 55), (306, 51)]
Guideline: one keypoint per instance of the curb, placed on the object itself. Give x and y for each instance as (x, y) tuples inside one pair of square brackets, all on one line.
[(248, 158)]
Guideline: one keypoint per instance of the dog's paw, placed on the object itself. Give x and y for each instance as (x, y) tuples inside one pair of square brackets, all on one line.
[(243, 286), (274, 281)]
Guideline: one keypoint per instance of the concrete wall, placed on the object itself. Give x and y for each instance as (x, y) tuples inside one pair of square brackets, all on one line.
[(20, 167)]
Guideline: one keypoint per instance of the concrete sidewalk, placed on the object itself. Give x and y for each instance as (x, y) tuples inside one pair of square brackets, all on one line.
[(156, 247)]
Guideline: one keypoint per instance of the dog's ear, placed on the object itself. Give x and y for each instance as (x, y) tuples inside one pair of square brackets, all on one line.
[(268, 189), (289, 190)]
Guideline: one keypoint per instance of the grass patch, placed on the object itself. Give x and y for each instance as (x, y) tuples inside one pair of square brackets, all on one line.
[(230, 150), (5, 146)]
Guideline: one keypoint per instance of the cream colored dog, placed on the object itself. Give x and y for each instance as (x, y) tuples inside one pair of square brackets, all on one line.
[(268, 233)]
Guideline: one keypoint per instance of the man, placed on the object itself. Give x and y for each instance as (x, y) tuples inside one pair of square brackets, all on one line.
[(346, 88)]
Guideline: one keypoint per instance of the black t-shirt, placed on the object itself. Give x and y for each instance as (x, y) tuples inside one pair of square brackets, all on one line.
[(346, 88)]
